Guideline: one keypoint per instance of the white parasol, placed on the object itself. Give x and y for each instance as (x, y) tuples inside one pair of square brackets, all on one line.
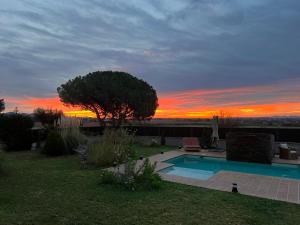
[(215, 131)]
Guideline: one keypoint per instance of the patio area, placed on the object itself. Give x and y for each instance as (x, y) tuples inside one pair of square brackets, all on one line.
[(269, 187)]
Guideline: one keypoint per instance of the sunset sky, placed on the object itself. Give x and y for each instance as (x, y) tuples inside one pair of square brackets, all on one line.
[(202, 56)]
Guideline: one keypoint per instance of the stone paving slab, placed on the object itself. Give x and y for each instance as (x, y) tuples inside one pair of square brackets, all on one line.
[(275, 188)]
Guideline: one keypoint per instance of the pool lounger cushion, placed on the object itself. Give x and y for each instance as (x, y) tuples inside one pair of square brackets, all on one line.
[(191, 144)]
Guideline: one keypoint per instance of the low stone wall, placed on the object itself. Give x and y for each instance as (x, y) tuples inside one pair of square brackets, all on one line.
[(250, 147)]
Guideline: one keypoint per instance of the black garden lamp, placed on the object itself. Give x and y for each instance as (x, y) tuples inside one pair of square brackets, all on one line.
[(234, 188)]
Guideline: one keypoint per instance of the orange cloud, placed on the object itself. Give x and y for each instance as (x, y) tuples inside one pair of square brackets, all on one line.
[(30, 103), (272, 100)]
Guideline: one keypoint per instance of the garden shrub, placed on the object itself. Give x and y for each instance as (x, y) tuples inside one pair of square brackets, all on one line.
[(133, 177), (70, 132), (115, 146), (205, 139), (54, 145), (1, 158), (15, 131), (148, 178)]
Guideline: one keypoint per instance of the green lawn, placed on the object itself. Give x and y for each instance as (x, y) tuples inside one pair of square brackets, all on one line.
[(39, 190)]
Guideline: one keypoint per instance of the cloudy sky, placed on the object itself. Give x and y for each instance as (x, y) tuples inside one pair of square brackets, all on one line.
[(202, 56)]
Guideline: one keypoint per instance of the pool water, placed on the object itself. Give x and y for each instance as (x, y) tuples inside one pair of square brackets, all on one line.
[(202, 168)]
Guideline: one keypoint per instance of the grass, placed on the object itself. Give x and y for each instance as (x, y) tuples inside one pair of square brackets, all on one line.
[(39, 190)]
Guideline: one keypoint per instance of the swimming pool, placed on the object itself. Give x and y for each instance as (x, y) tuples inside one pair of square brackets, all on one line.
[(202, 168)]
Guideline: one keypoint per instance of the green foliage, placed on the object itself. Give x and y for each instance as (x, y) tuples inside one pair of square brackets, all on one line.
[(2, 105), (48, 117), (134, 177), (1, 158), (15, 131), (115, 146), (111, 95), (54, 145), (205, 139), (108, 177), (148, 178)]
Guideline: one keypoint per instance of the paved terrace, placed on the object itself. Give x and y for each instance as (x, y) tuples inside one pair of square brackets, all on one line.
[(275, 188)]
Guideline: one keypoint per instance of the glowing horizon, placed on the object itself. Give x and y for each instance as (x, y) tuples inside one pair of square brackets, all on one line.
[(280, 99)]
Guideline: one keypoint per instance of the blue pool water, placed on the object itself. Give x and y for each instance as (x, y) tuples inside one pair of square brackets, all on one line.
[(203, 168)]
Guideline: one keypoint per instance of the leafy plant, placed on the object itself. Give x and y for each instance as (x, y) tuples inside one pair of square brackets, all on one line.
[(54, 145), (134, 177), (148, 178), (115, 146)]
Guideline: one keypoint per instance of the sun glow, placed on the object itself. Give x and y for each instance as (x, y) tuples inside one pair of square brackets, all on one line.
[(80, 113), (273, 100)]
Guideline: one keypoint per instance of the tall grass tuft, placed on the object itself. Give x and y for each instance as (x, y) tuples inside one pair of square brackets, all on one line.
[(70, 133), (114, 147)]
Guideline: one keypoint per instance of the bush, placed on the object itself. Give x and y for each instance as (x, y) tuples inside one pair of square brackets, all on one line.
[(133, 178), (54, 145), (148, 178), (70, 132), (15, 131), (115, 146), (205, 139), (1, 158)]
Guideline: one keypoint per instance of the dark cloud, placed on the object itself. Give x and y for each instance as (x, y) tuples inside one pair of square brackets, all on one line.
[(175, 45)]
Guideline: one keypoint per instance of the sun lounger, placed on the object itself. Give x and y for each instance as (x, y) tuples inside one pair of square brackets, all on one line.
[(191, 144), (286, 152)]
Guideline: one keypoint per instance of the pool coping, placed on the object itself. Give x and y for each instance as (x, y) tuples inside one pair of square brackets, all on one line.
[(270, 187)]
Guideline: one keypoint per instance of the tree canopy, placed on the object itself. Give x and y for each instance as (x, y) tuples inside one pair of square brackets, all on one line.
[(2, 105), (117, 96)]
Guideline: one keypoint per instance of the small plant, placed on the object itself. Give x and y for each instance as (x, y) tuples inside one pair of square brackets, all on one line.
[(108, 177), (148, 178), (54, 145), (134, 177), (114, 147)]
